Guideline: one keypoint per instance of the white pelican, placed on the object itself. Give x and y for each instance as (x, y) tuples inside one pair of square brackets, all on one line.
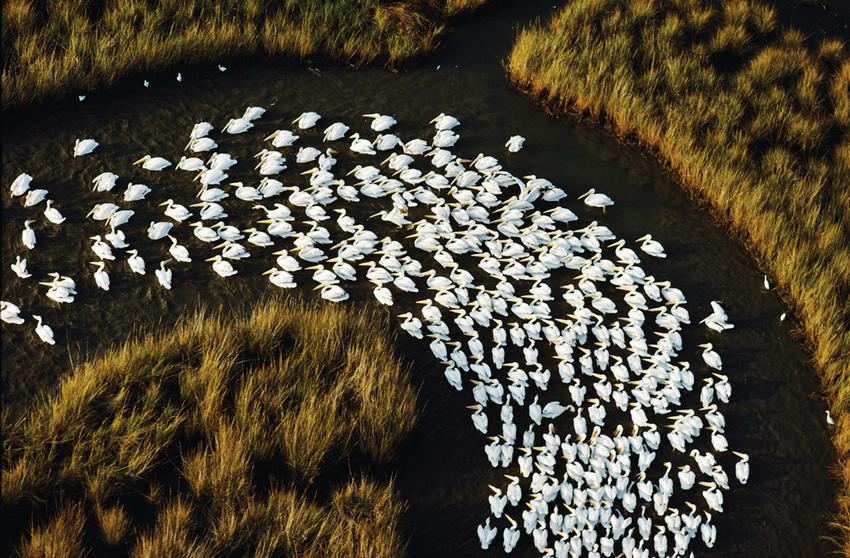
[(153, 163), (200, 130), (34, 197), (307, 120), (199, 145), (84, 147), (101, 278), (163, 275), (20, 268), (362, 146), (253, 113), (136, 192), (21, 184), (9, 313), (159, 229), (334, 293), (593, 199), (44, 332), (178, 251), (191, 164), (105, 181), (28, 235), (136, 263), (514, 143), (222, 267), (282, 138), (237, 126), (651, 247), (711, 357), (307, 154), (444, 122), (101, 249), (280, 278), (176, 211), (381, 122), (335, 131)]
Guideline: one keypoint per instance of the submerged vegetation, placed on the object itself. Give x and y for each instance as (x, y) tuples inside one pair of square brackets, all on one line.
[(752, 118), (222, 437), (51, 48)]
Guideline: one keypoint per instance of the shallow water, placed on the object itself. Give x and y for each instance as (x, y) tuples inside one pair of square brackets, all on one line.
[(775, 415)]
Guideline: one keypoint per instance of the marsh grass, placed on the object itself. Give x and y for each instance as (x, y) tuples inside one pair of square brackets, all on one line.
[(220, 437), (753, 119), (53, 48)]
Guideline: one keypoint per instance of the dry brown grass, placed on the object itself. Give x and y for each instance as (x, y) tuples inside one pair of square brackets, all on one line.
[(218, 437), (752, 119), (53, 48)]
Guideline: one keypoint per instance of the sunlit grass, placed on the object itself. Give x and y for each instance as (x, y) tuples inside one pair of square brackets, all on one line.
[(219, 437), (753, 120), (50, 48)]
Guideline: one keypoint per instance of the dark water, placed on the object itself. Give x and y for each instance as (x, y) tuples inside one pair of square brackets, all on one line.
[(775, 416)]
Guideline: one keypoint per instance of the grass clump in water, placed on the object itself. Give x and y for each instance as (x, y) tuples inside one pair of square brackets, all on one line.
[(51, 48), (221, 437), (753, 120)]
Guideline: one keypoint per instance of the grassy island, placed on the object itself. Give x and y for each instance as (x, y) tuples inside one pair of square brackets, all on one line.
[(73, 46), (256, 436), (753, 119)]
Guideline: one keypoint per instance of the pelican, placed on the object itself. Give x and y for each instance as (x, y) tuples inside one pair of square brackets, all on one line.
[(237, 126), (9, 313), (191, 164), (514, 143), (20, 268), (28, 235), (176, 211), (159, 229), (84, 147), (593, 199), (199, 145), (178, 251), (136, 192), (200, 130), (380, 122), (742, 468), (21, 184), (101, 249), (44, 332), (52, 214), (334, 293), (362, 146), (280, 278), (335, 131), (34, 197), (282, 138), (253, 113), (136, 263), (307, 120), (101, 278), (163, 275), (651, 247), (153, 163), (222, 267), (444, 122), (711, 357)]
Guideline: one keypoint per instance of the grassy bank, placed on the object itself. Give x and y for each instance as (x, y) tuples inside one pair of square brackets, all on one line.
[(753, 119), (249, 437), (53, 48)]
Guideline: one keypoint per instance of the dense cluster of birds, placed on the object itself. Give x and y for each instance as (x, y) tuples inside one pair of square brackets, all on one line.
[(570, 349)]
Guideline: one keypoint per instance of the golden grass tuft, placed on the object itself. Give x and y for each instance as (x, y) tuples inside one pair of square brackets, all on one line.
[(215, 438), (752, 118)]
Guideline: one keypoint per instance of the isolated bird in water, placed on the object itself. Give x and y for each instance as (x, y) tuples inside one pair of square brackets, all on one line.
[(84, 147), (514, 144)]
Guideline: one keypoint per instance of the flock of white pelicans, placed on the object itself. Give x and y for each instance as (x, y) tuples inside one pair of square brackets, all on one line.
[(586, 479)]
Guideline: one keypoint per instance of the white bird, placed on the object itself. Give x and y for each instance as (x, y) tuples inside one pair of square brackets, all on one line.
[(159, 229), (136, 262), (335, 131), (163, 275), (445, 122), (282, 138), (594, 199), (711, 357), (21, 184), (101, 278), (766, 283), (136, 192), (253, 113), (334, 293), (20, 267), (191, 164), (280, 278), (34, 197), (237, 126), (101, 249), (651, 247), (84, 147), (44, 332), (9, 313), (514, 144), (52, 214), (178, 251), (307, 120), (176, 211), (199, 145), (742, 467), (28, 235), (381, 122), (153, 163), (222, 267), (105, 181)]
